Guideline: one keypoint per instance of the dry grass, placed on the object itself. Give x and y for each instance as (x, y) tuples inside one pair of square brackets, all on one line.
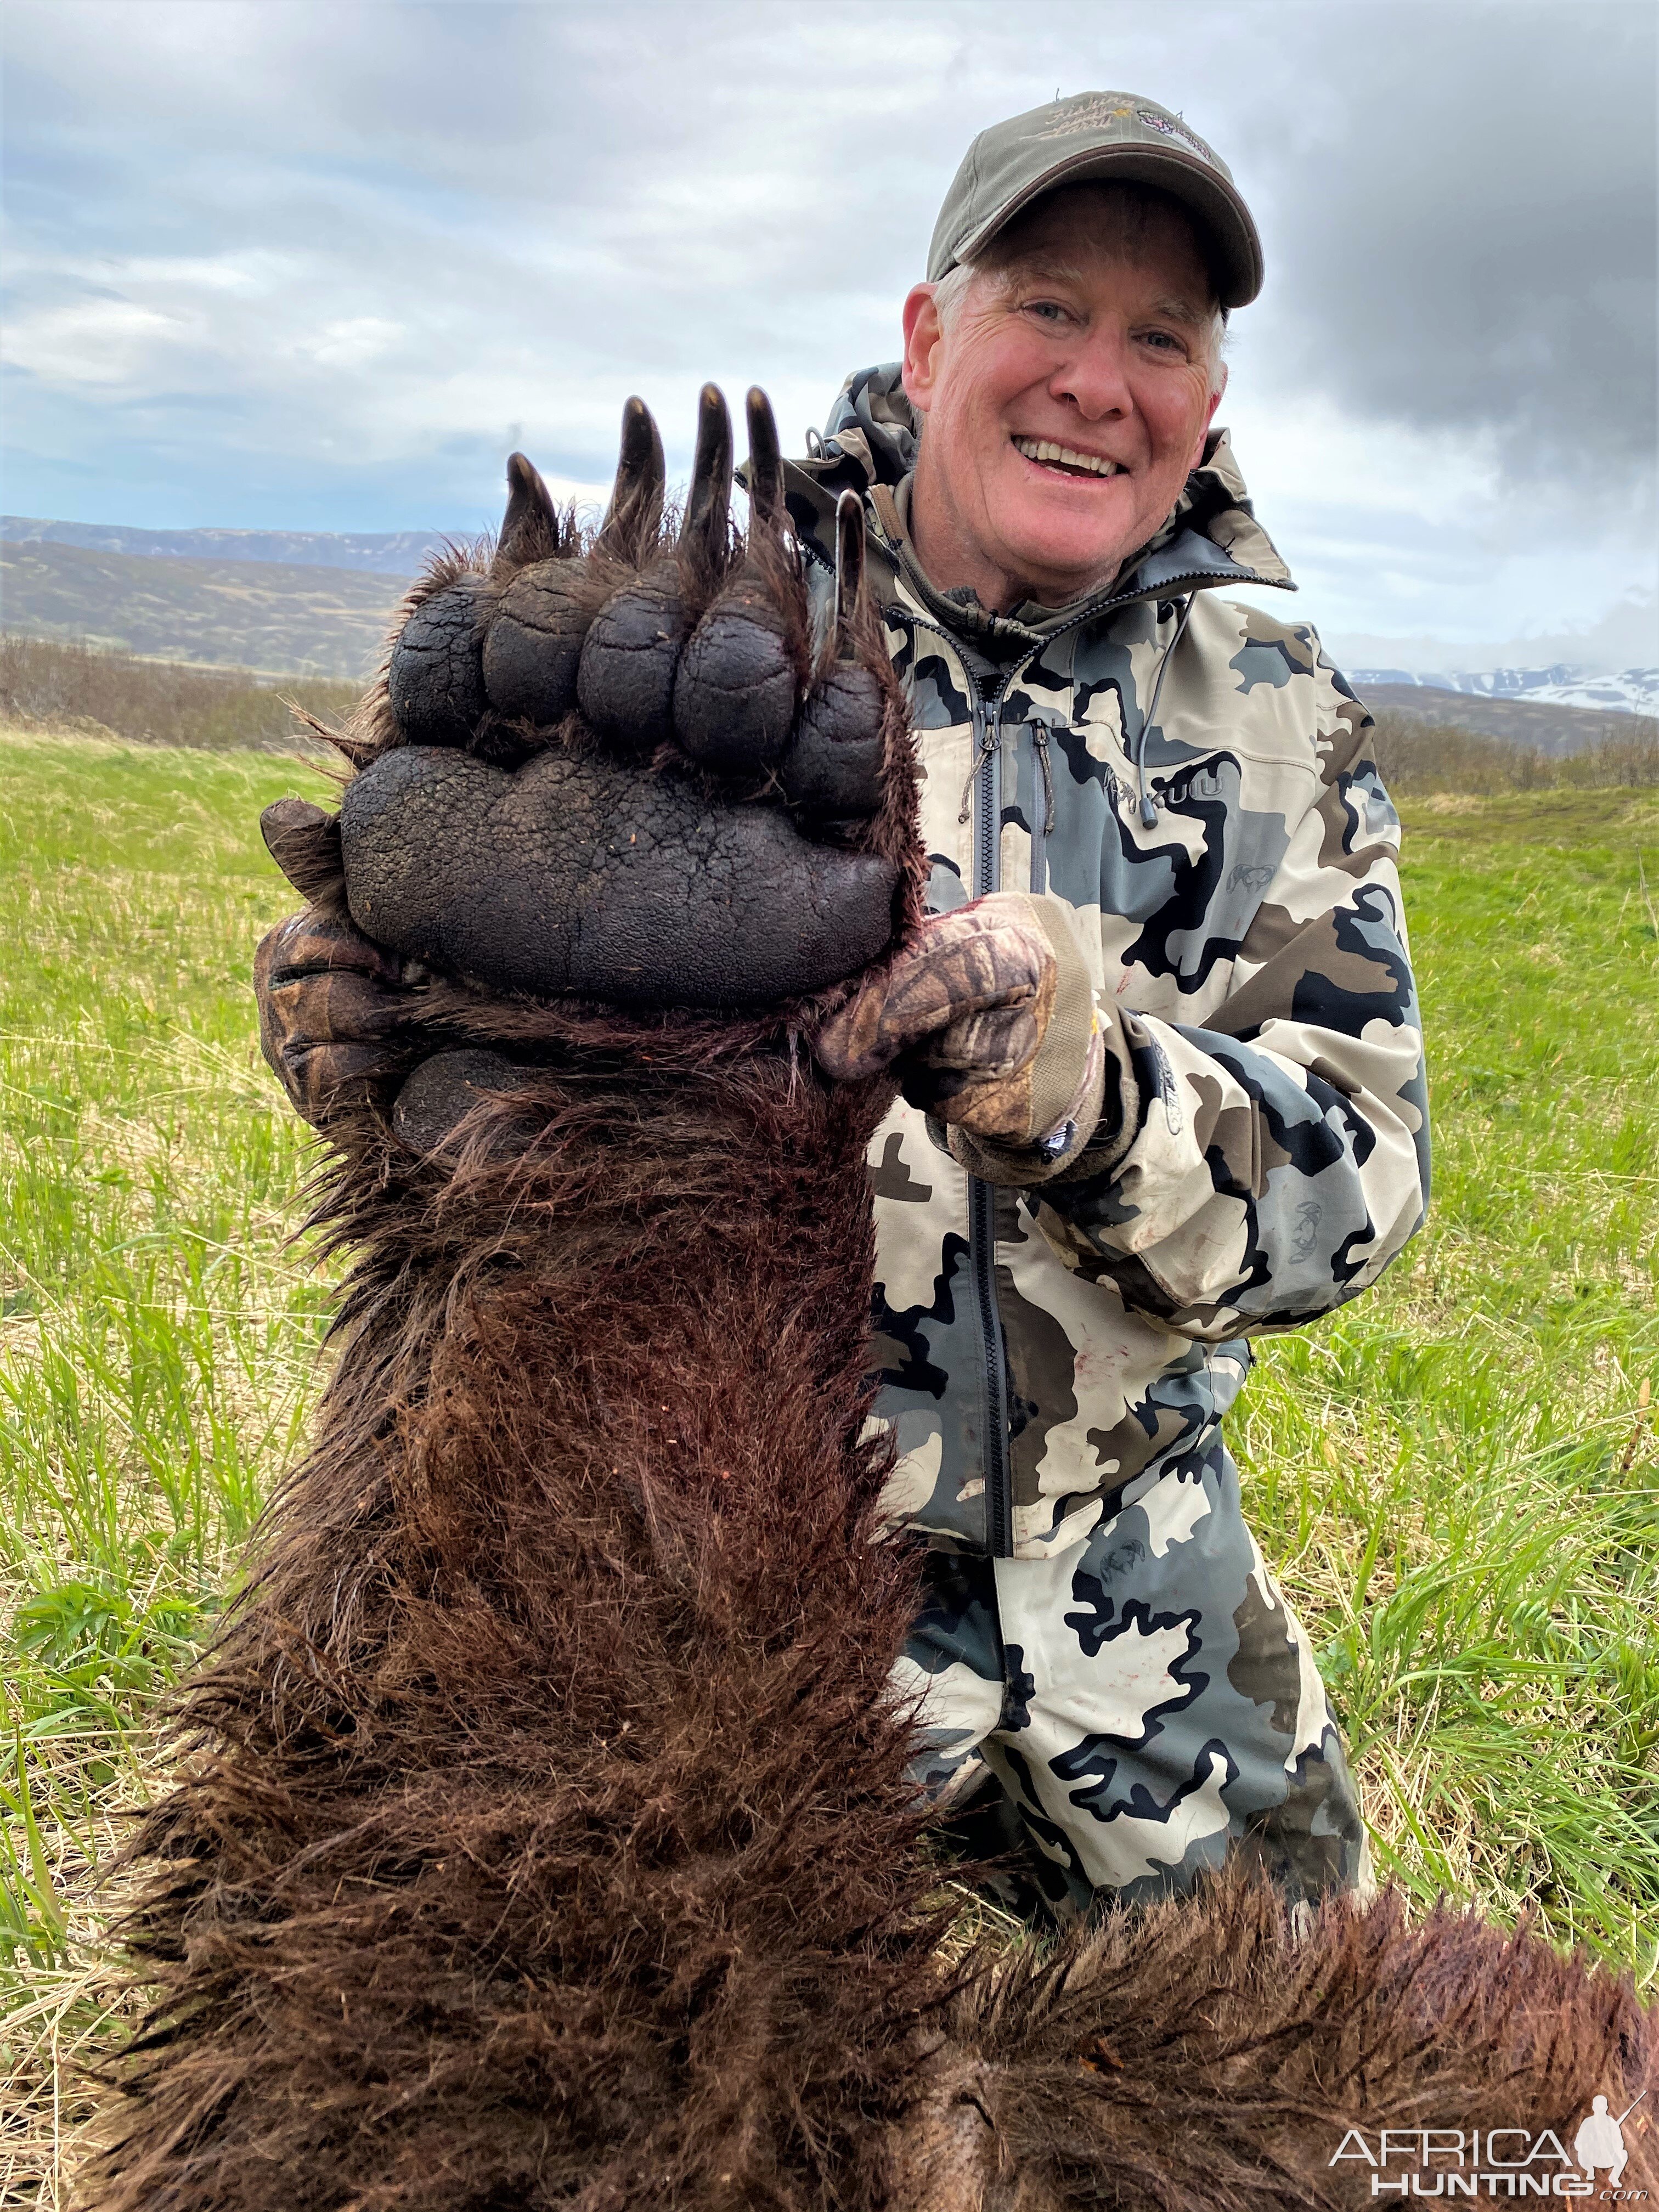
[(75, 687), (1416, 757)]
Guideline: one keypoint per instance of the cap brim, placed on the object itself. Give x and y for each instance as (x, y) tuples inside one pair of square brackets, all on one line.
[(1183, 176)]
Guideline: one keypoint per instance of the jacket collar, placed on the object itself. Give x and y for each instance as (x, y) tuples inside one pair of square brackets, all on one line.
[(1211, 536)]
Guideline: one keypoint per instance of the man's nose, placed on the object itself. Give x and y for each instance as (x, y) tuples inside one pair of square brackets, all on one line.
[(1095, 377)]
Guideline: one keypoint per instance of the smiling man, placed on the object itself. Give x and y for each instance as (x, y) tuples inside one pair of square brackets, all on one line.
[(1067, 377), (1163, 1072), (1159, 1040)]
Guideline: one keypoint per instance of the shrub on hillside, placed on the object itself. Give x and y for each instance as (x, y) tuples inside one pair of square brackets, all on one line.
[(47, 684), (1417, 758)]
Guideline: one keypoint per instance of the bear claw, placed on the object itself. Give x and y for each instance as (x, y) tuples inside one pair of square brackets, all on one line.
[(619, 776)]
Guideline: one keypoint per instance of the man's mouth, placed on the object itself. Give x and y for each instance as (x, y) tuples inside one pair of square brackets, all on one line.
[(1066, 458)]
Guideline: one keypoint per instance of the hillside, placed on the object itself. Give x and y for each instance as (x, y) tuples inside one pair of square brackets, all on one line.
[(298, 602), (290, 619), (1551, 728), (387, 553)]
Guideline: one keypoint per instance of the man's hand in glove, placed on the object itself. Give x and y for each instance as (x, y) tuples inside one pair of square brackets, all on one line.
[(988, 1017), (336, 1022)]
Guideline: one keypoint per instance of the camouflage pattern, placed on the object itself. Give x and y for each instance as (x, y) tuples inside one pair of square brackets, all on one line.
[(335, 1021), (1145, 1699), (993, 1011), (1056, 1361)]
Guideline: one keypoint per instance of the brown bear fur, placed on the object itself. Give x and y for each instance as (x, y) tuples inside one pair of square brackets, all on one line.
[(543, 1837)]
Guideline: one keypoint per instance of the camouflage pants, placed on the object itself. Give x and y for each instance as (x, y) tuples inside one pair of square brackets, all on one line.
[(1146, 1699)]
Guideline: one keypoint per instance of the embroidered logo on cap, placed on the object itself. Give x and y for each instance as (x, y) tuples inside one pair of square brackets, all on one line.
[(1088, 115), (1173, 129), (1096, 113)]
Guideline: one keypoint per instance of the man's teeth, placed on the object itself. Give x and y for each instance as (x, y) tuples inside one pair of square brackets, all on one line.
[(1044, 449)]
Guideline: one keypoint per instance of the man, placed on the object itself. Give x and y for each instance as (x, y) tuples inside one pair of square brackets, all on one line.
[(1209, 1118)]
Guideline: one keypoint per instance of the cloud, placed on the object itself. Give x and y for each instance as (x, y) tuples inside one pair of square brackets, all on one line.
[(320, 265), (1622, 638)]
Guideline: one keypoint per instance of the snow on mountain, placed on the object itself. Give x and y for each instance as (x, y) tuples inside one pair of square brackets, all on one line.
[(1632, 691)]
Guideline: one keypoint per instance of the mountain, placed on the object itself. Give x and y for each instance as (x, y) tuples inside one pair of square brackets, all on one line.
[(398, 553), (316, 603), (1632, 691), (1627, 636), (282, 620), (1552, 726)]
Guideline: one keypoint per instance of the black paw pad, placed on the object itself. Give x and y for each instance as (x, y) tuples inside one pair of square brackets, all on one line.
[(834, 765), (535, 645), (734, 694), (435, 681), (443, 1090), (579, 876), (626, 678)]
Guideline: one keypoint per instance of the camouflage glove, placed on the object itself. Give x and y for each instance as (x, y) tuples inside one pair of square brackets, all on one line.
[(628, 771), (335, 1020), (989, 1016)]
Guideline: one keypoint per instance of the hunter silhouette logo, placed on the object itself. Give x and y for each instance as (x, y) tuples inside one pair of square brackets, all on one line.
[(1600, 2141), (1498, 2161)]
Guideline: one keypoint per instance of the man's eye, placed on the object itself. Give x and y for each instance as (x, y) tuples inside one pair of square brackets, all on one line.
[(1049, 310), (1165, 341)]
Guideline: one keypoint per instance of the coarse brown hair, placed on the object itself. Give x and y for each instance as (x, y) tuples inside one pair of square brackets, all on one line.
[(541, 1834)]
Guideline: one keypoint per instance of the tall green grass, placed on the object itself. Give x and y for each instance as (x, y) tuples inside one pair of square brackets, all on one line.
[(1455, 1476), (159, 1341)]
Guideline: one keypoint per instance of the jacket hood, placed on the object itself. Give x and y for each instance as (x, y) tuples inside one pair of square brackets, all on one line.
[(1211, 536)]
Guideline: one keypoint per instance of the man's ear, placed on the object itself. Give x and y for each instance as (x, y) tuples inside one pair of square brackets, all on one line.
[(923, 336), (1209, 418)]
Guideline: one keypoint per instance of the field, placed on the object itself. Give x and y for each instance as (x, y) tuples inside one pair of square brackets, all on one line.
[(46, 684), (1456, 1477)]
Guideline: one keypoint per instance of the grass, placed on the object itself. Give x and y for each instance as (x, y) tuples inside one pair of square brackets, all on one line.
[(1417, 756), (47, 684), (1456, 1477), (157, 1353)]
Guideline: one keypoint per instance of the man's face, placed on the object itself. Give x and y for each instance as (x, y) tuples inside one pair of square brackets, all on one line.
[(1087, 339)]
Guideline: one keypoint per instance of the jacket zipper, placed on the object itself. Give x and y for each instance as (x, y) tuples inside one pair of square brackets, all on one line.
[(1172, 587), (981, 1196)]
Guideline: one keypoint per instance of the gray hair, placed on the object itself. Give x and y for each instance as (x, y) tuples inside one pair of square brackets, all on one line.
[(1133, 204)]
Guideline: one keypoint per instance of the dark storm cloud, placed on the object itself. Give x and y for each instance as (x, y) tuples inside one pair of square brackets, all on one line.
[(321, 264), (1465, 223)]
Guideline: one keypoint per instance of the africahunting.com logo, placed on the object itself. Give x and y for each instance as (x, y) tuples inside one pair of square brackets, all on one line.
[(1498, 2161)]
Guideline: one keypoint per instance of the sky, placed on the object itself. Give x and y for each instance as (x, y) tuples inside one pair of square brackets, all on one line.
[(290, 266)]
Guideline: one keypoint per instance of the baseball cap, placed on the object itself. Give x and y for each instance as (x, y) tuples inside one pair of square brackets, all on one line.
[(1096, 134)]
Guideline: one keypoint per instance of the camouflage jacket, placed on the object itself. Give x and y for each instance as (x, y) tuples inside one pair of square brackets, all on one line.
[(1042, 1349)]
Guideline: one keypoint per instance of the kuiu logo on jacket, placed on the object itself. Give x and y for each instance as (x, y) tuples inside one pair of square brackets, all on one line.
[(1048, 1354)]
